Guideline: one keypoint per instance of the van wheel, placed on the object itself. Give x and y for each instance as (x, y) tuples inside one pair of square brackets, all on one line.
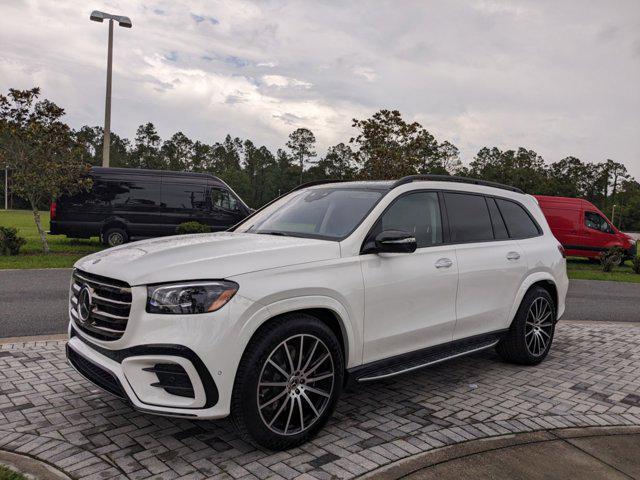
[(288, 382), (529, 338), (114, 236)]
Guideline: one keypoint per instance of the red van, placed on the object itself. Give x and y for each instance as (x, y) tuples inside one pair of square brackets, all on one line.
[(582, 229)]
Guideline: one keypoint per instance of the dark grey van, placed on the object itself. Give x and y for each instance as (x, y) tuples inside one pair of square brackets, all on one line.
[(127, 203)]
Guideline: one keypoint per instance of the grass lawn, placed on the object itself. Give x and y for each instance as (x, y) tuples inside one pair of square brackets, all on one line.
[(64, 251), (7, 474), (581, 269)]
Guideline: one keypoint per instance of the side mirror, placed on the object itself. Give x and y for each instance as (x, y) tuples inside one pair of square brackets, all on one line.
[(395, 241)]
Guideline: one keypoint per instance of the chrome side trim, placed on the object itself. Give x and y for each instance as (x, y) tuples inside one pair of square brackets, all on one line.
[(433, 362)]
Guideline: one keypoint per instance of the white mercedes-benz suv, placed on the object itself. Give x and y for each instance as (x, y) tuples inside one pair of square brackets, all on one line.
[(332, 283)]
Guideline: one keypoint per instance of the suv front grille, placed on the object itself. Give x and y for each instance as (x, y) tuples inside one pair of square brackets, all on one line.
[(99, 305)]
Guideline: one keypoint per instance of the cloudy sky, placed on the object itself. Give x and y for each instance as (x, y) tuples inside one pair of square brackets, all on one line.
[(559, 77)]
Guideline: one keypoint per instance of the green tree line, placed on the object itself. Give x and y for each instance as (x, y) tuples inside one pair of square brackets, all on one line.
[(384, 146)]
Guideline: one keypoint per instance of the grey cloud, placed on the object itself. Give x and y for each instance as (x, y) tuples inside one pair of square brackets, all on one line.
[(557, 77)]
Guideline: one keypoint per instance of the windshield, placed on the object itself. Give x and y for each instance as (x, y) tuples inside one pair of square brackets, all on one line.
[(326, 213)]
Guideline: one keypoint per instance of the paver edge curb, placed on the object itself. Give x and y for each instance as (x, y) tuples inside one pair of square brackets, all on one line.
[(414, 463), (28, 465)]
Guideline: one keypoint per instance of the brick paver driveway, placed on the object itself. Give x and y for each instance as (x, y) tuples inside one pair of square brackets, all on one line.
[(592, 377)]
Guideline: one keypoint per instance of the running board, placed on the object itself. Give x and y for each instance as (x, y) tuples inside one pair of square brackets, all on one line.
[(423, 358)]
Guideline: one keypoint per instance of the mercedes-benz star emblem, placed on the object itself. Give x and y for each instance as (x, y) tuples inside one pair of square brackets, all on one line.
[(84, 304)]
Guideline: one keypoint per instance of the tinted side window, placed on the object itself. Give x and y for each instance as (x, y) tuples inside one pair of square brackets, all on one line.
[(596, 222), (519, 223), (132, 194), (183, 196), (223, 199), (469, 218), (417, 213), (499, 228)]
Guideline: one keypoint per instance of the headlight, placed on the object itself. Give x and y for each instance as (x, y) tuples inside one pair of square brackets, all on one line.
[(189, 297)]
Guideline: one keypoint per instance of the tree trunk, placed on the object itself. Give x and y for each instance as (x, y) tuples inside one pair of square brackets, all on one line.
[(43, 235)]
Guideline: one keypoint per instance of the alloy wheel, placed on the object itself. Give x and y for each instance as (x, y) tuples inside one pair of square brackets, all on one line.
[(538, 326), (295, 384), (115, 239)]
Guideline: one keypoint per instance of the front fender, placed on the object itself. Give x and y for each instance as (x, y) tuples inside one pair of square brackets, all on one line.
[(259, 313)]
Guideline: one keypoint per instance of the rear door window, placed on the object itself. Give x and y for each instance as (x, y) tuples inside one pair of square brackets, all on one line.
[(132, 194), (183, 196), (519, 222), (469, 219)]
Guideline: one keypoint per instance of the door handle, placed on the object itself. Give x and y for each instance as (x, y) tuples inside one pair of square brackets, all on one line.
[(444, 263), (513, 256)]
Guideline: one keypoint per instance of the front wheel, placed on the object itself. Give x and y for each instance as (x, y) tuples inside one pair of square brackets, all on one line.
[(288, 382), (529, 338)]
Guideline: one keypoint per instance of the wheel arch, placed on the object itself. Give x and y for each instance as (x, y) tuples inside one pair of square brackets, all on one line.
[(538, 279), (116, 222), (326, 309)]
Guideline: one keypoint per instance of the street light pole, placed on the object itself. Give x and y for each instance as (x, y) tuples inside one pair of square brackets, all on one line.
[(97, 16), (106, 143)]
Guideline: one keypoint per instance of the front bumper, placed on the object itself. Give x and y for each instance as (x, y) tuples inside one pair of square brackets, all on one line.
[(128, 374)]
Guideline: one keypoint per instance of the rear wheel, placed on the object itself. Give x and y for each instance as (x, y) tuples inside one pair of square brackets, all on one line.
[(114, 236), (531, 334), (288, 382)]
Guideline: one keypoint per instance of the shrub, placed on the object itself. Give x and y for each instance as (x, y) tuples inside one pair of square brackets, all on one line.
[(10, 242), (192, 227), (611, 258)]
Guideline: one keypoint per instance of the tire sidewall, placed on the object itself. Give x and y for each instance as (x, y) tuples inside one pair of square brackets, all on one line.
[(245, 390), (521, 318), (115, 231)]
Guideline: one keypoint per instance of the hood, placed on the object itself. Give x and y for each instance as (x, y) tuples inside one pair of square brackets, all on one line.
[(204, 256)]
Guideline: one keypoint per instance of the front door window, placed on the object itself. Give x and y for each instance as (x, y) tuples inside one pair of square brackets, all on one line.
[(596, 221)]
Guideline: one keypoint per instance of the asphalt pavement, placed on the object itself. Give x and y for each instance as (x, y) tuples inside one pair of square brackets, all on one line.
[(34, 302)]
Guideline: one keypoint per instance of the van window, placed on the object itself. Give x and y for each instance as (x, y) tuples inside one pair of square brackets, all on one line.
[(519, 222), (597, 222), (132, 194), (499, 228), (416, 213), (224, 200), (469, 218), (183, 196)]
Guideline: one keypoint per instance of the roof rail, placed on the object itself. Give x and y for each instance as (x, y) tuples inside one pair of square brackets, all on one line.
[(453, 178), (312, 184)]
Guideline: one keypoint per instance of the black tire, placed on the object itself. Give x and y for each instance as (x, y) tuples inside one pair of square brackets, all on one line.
[(114, 236), (252, 421), (530, 335)]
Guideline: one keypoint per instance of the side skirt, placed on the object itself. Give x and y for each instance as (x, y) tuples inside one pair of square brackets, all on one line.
[(407, 362)]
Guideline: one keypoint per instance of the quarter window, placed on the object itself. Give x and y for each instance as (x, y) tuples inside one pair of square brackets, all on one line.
[(519, 222), (499, 228), (469, 219), (596, 222), (416, 213)]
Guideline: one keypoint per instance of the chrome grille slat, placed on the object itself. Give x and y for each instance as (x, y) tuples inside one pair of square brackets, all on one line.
[(108, 315), (115, 302), (110, 305), (106, 285)]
